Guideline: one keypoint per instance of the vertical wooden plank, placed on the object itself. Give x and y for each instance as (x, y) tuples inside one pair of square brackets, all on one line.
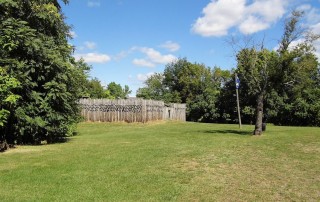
[(132, 110)]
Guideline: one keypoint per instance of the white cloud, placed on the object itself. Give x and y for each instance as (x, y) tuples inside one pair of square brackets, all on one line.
[(251, 25), (93, 57), (221, 15), (293, 44), (218, 17), (144, 77), (143, 63), (312, 15), (93, 3), (73, 34), (269, 10), (120, 55), (171, 46), (315, 28), (317, 46), (156, 56), (261, 14), (90, 45), (304, 7), (152, 58)]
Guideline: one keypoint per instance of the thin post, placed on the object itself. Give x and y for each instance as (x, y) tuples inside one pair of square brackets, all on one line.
[(238, 104)]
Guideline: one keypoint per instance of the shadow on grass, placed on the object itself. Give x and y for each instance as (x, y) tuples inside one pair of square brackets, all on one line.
[(232, 132), (60, 140)]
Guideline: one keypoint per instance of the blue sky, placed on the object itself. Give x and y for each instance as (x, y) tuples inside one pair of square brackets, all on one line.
[(126, 41)]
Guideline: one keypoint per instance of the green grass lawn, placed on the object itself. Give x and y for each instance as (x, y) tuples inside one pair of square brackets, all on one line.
[(167, 162)]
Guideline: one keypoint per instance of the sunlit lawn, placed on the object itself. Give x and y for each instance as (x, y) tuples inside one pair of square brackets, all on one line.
[(167, 161)]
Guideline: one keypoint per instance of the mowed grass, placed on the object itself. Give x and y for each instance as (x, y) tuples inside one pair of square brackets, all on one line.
[(167, 161)]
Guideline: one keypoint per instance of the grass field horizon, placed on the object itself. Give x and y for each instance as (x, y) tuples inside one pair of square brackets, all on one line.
[(167, 161)]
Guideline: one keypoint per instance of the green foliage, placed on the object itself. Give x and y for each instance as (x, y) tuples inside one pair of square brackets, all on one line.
[(255, 69), (115, 91), (35, 52), (155, 89), (7, 99), (296, 79), (95, 89), (186, 82)]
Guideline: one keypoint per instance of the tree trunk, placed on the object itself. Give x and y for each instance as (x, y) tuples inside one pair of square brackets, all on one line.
[(8, 130), (259, 115)]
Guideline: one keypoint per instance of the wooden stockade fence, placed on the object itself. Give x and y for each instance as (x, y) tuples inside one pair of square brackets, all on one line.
[(130, 110)]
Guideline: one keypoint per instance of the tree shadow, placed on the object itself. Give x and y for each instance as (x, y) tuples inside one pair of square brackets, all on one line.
[(234, 132)]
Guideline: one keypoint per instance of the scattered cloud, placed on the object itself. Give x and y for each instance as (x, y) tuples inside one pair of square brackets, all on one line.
[(144, 77), (156, 56), (143, 63), (93, 57), (152, 57), (122, 55), (90, 45), (92, 3), (221, 15), (171, 46)]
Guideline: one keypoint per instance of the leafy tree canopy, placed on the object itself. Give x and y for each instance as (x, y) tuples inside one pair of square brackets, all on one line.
[(40, 71)]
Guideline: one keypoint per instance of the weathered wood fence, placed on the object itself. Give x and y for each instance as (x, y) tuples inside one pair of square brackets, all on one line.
[(130, 110)]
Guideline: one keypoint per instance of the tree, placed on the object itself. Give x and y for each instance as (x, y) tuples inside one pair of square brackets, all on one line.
[(284, 81), (186, 82), (34, 51), (95, 90), (7, 97), (297, 78), (7, 101), (255, 69), (117, 92), (126, 91), (156, 90)]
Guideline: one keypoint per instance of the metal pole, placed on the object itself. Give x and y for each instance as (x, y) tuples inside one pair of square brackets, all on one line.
[(238, 104)]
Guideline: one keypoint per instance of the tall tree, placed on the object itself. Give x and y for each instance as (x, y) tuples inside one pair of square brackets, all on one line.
[(34, 50), (297, 76), (255, 69), (285, 80), (7, 102)]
